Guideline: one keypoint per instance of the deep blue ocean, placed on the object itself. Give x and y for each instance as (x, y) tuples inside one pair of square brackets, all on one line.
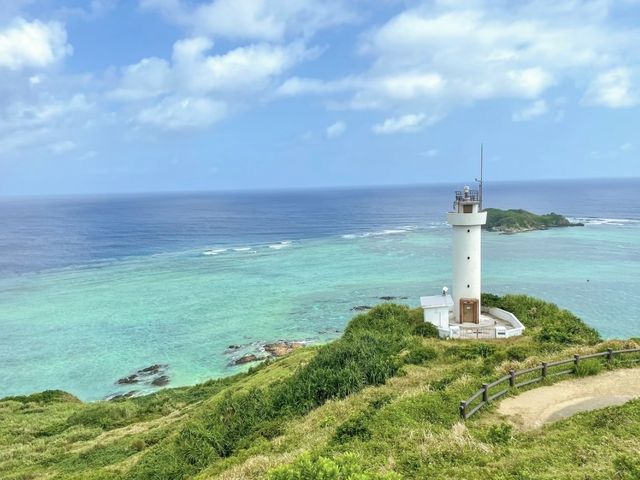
[(93, 288)]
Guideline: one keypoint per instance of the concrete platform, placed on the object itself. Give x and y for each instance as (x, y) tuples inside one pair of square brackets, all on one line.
[(485, 329)]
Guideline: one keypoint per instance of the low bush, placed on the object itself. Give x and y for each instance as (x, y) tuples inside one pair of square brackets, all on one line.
[(355, 427), (591, 366), (499, 434), (420, 354), (345, 467), (46, 397), (103, 415), (545, 321), (517, 353), (627, 467)]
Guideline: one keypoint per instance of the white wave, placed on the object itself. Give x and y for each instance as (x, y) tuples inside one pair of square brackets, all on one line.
[(391, 231), (216, 251), (242, 249), (279, 245), (604, 221)]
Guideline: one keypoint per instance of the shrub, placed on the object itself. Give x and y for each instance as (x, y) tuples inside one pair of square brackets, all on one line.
[(626, 467), (499, 434), (46, 397), (355, 427), (419, 354), (591, 366), (547, 322), (472, 350), (426, 329), (345, 467), (102, 415), (517, 353)]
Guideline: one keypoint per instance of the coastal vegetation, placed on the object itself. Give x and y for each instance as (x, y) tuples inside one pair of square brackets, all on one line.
[(381, 402), (514, 221)]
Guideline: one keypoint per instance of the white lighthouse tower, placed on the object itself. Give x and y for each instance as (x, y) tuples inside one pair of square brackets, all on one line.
[(467, 220), (460, 314)]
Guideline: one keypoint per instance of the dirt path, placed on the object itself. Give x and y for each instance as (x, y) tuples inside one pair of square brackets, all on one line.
[(543, 405)]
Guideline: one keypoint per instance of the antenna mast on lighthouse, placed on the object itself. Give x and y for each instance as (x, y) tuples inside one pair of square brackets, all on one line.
[(480, 180)]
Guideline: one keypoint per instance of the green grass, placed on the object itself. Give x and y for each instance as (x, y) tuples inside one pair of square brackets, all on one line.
[(378, 403)]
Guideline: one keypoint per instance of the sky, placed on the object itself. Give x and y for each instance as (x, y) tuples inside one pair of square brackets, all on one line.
[(102, 96)]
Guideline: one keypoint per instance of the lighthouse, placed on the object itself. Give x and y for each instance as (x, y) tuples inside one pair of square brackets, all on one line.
[(466, 220), (459, 314)]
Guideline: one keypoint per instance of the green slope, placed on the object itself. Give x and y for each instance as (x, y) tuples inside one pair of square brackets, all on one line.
[(381, 402)]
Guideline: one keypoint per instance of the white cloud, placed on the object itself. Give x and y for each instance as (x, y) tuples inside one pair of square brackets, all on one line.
[(246, 68), (270, 20), (211, 85), (53, 112), (41, 123), (406, 123), (66, 146), (336, 130), (33, 44), (177, 113), (533, 110), (303, 86), (625, 147), (192, 71), (614, 88), (147, 79), (433, 152), (448, 54)]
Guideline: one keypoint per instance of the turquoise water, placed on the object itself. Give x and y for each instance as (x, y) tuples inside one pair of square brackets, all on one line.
[(80, 329)]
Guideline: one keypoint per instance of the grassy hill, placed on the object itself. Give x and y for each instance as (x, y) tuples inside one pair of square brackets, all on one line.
[(379, 403), (514, 221)]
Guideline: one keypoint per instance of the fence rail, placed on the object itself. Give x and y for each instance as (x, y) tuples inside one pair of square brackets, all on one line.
[(540, 372)]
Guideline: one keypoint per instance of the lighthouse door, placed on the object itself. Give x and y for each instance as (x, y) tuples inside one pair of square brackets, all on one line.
[(469, 311)]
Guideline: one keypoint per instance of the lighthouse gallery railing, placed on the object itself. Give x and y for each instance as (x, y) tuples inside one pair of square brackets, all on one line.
[(502, 386)]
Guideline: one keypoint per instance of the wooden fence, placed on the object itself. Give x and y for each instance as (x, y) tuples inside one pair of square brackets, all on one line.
[(522, 378)]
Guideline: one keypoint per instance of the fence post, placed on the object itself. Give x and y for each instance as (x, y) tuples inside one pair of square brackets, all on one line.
[(512, 378), (485, 392), (544, 369), (463, 409), (609, 355), (576, 359)]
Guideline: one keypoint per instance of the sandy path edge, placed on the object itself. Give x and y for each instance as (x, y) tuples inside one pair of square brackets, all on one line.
[(539, 406)]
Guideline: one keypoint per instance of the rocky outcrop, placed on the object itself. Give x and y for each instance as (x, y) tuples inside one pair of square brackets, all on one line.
[(361, 308), (280, 349), (248, 358), (154, 375), (120, 396)]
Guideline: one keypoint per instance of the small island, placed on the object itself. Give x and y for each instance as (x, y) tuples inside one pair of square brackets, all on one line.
[(516, 221)]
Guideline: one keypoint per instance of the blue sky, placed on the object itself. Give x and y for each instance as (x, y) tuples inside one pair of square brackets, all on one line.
[(165, 95)]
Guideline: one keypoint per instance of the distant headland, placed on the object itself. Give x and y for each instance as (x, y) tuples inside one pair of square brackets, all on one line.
[(516, 221)]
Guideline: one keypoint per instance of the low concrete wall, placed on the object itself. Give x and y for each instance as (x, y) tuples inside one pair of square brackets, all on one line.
[(517, 328)]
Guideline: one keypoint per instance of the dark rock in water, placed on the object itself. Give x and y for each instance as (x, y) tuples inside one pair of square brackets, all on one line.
[(279, 349), (131, 379), (387, 298), (160, 381), (233, 347), (152, 370), (404, 298), (248, 358), (361, 308), (146, 375), (120, 396)]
